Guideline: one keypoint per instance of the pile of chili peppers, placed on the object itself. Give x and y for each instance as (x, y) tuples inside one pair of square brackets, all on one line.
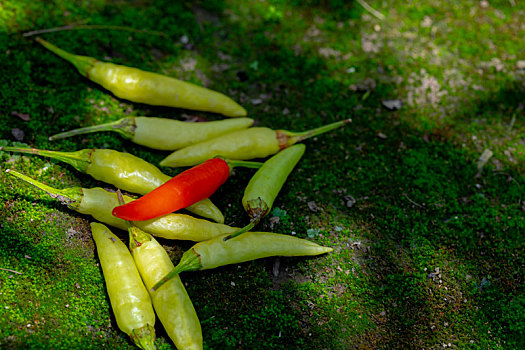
[(141, 279)]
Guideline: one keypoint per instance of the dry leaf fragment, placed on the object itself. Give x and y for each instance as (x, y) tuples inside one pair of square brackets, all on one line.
[(24, 117), (484, 158), (18, 134), (313, 206), (350, 201), (393, 105)]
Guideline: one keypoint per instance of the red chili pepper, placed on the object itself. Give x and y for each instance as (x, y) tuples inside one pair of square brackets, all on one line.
[(185, 189)]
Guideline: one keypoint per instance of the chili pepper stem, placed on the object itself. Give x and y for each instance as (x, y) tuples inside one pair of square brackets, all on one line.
[(144, 337), (78, 159), (190, 261), (288, 138), (82, 63), (125, 127), (242, 163), (69, 196), (257, 209), (242, 230)]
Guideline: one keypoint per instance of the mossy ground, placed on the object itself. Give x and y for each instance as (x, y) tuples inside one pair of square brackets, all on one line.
[(428, 248)]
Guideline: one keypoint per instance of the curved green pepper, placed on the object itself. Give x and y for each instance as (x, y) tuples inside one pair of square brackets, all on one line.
[(263, 187)]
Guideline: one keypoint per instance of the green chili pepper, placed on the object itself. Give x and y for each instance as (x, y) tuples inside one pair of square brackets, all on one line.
[(261, 191), (146, 87), (162, 133), (122, 170), (130, 300), (257, 142), (99, 204), (249, 246), (172, 303)]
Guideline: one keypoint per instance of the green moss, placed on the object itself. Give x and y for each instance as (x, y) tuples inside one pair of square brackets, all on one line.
[(427, 247)]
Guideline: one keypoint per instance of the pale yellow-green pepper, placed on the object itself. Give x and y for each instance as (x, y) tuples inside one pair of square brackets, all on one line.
[(99, 203), (123, 170), (171, 302), (162, 133), (257, 142), (248, 246), (130, 301), (147, 87)]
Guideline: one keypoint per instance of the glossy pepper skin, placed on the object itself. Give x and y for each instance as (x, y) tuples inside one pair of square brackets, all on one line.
[(147, 87), (99, 203), (123, 170), (188, 187), (162, 133), (130, 300), (179, 192), (171, 302), (265, 184), (246, 247), (270, 178), (256, 142)]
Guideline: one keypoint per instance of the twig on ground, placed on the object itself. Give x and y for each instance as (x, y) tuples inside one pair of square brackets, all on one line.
[(411, 201), (371, 10), (90, 27), (483, 159), (9, 270), (512, 121)]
